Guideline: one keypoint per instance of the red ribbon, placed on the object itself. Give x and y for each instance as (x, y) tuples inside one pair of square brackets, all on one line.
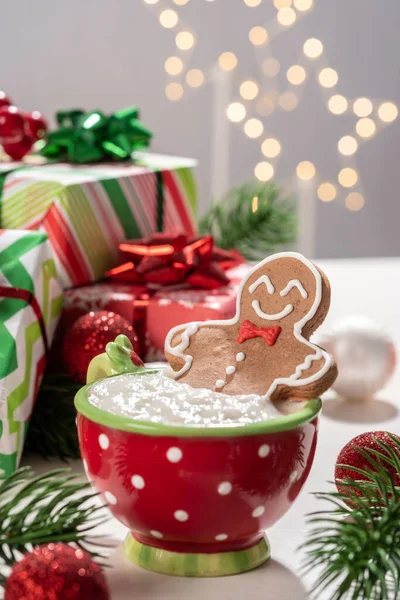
[(29, 298), (248, 330), (164, 260)]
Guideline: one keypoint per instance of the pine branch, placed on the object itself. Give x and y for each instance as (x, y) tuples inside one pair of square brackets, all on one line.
[(52, 430), (356, 547), (253, 217), (54, 507)]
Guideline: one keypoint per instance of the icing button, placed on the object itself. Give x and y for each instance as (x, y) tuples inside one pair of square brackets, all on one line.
[(219, 383), (240, 356), (230, 370)]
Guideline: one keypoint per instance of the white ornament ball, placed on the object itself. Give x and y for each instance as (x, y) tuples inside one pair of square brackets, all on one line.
[(364, 353)]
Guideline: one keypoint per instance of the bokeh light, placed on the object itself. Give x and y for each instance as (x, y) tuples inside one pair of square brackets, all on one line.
[(258, 35), (365, 127), (195, 78), (286, 16), (328, 77), (362, 107), (227, 61), (296, 75), (264, 171), (248, 89), (181, 2), (168, 18), (266, 103), (271, 66), (347, 145), (236, 112), (354, 201), (173, 65), (305, 170), (184, 40), (282, 4), (288, 101), (253, 128), (338, 104), (326, 192), (270, 147), (303, 5), (174, 91), (388, 112), (252, 3), (348, 177), (313, 48)]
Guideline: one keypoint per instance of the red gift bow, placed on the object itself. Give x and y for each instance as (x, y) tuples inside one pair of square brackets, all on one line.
[(248, 330), (163, 259)]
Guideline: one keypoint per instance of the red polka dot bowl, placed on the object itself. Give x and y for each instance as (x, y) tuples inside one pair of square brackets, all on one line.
[(197, 501)]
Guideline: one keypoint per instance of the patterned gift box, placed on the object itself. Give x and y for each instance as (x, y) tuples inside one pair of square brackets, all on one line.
[(86, 211), (164, 309), (30, 305)]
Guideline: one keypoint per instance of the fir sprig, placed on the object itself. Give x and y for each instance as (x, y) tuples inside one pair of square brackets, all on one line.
[(253, 217), (52, 431), (355, 548), (54, 507)]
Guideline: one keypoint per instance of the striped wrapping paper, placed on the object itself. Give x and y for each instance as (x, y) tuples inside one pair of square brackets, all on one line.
[(86, 211), (26, 263)]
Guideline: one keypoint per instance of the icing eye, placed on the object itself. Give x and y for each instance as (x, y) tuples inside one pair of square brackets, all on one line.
[(294, 283), (266, 281)]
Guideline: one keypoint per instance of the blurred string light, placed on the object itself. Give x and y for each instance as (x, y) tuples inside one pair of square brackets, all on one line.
[(369, 114), (326, 192)]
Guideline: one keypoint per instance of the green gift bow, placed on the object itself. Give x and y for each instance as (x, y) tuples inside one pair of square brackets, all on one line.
[(90, 137)]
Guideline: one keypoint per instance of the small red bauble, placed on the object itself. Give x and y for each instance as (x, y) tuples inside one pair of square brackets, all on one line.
[(89, 336), (35, 125), (56, 572), (12, 125), (4, 99), (350, 456), (18, 150)]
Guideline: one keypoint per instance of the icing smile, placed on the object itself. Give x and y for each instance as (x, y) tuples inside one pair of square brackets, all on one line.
[(280, 315)]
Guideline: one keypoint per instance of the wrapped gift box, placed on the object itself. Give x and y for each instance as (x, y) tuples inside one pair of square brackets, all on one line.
[(30, 305), (87, 210), (154, 314)]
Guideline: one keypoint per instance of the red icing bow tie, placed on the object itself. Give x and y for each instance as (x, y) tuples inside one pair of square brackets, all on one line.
[(248, 330)]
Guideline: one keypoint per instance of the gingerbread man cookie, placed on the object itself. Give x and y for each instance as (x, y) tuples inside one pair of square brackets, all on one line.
[(265, 348)]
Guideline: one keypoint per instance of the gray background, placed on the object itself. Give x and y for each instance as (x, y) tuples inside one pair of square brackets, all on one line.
[(103, 54)]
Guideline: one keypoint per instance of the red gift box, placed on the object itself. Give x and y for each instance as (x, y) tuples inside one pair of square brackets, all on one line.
[(154, 314)]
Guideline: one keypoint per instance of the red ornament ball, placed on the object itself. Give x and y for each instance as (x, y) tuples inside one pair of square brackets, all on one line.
[(56, 572), (18, 150), (35, 125), (350, 456), (12, 124), (89, 336)]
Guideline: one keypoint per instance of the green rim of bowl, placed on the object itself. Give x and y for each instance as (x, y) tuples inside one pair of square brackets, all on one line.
[(311, 410)]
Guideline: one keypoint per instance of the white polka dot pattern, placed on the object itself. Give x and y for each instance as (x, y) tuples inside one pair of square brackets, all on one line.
[(221, 537), (174, 454), (111, 499), (257, 512), (264, 450), (181, 515), (224, 488), (104, 441), (138, 482), (156, 534)]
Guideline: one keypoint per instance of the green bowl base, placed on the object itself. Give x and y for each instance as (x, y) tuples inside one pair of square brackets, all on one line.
[(196, 564)]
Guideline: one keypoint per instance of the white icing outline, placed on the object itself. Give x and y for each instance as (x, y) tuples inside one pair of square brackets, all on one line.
[(281, 315), (263, 279), (293, 380), (294, 283)]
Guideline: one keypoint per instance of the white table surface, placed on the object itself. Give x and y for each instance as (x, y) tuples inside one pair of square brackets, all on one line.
[(367, 286)]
